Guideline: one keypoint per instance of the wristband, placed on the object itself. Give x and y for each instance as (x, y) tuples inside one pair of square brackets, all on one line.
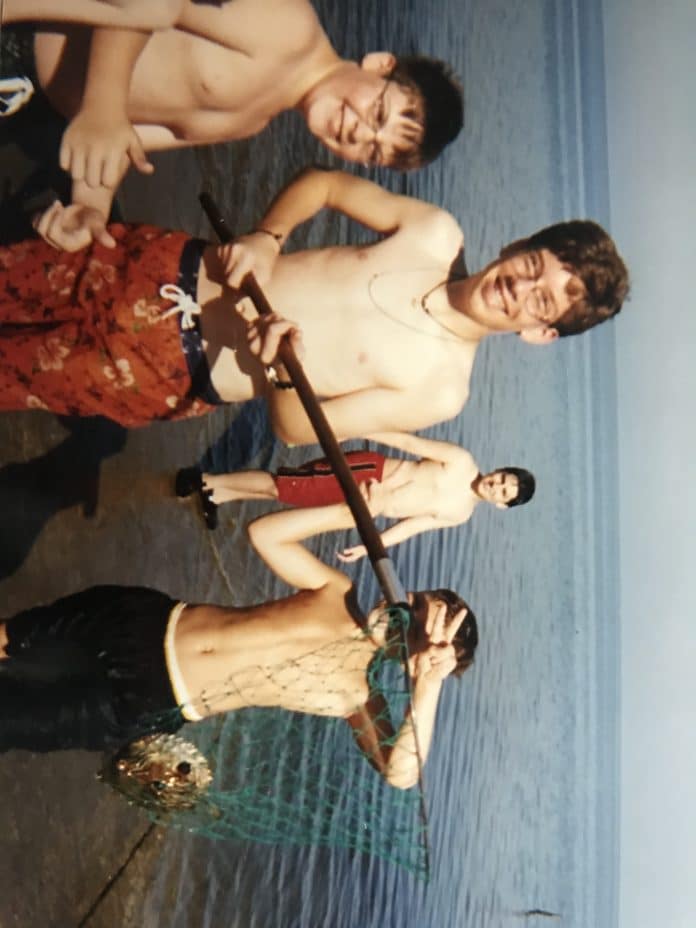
[(275, 381), (274, 235)]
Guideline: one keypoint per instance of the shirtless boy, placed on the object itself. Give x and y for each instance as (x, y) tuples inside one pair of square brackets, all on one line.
[(222, 73), (390, 329), (441, 490), (109, 664)]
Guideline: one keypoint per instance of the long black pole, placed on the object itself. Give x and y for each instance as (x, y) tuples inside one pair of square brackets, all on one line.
[(390, 584)]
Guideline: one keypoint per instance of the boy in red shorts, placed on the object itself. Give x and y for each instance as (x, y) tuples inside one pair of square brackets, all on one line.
[(440, 490)]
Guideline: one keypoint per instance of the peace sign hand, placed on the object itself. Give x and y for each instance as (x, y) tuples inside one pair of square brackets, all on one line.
[(439, 659)]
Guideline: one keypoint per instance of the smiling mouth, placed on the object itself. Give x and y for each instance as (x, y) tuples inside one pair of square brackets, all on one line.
[(341, 120), (502, 295)]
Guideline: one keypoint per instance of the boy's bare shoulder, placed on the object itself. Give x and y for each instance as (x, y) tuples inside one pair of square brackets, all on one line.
[(286, 27), (432, 231), (461, 462)]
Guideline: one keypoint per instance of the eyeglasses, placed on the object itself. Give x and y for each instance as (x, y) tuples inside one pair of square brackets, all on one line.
[(376, 120)]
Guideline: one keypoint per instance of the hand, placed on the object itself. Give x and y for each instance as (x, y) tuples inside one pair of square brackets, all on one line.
[(373, 494), (349, 555), (96, 149), (70, 228), (255, 253), (438, 660), (265, 333)]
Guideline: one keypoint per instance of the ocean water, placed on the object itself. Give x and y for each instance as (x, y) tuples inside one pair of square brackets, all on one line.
[(522, 779)]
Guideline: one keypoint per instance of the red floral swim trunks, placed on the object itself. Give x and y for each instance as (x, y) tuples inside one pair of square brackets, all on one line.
[(88, 333)]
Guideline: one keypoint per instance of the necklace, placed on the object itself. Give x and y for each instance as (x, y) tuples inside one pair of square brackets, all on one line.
[(451, 335)]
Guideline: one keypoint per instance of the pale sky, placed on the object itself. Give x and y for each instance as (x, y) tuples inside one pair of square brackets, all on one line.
[(650, 52)]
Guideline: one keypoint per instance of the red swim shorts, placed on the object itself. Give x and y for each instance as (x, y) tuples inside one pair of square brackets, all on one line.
[(88, 333), (315, 484)]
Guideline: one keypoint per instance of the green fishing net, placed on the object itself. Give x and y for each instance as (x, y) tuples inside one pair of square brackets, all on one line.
[(282, 777)]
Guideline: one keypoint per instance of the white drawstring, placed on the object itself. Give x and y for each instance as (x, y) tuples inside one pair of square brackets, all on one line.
[(185, 305), (14, 93)]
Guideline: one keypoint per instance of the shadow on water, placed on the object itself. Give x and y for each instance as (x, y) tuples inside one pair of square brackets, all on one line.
[(31, 492), (248, 441)]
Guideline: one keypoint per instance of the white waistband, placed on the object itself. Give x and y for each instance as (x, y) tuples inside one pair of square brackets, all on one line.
[(183, 697)]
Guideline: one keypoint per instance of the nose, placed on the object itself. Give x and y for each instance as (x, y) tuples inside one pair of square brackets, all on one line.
[(361, 132), (522, 287)]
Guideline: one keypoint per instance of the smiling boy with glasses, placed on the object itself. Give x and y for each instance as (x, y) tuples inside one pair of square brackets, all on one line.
[(391, 329), (219, 73)]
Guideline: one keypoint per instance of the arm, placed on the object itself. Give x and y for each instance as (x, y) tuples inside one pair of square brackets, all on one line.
[(366, 202), (395, 534), (278, 538), (121, 14), (101, 136), (256, 28), (70, 228), (397, 758), (366, 411), (315, 189)]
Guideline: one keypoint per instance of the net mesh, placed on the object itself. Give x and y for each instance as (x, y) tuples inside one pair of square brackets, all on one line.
[(292, 777)]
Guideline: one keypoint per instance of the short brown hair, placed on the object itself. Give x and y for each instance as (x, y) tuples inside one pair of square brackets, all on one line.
[(586, 250), (466, 637), (438, 108)]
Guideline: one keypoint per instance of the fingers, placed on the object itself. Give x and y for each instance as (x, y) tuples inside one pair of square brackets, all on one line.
[(96, 164), (350, 555), (102, 162), (106, 167), (297, 342), (265, 333), (70, 228), (435, 663), (237, 264), (104, 237), (138, 158), (73, 160), (255, 253), (56, 226), (454, 625), (435, 621), (42, 221), (442, 660), (371, 491)]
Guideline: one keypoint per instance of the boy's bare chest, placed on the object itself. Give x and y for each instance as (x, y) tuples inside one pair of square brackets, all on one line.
[(208, 91), (367, 324)]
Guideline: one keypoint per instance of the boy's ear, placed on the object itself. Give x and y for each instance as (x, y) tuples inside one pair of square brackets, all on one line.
[(540, 335), (500, 506), (382, 63)]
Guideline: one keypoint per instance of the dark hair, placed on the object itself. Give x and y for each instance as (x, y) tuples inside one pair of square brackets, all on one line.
[(441, 109), (588, 252), (466, 638), (526, 485)]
